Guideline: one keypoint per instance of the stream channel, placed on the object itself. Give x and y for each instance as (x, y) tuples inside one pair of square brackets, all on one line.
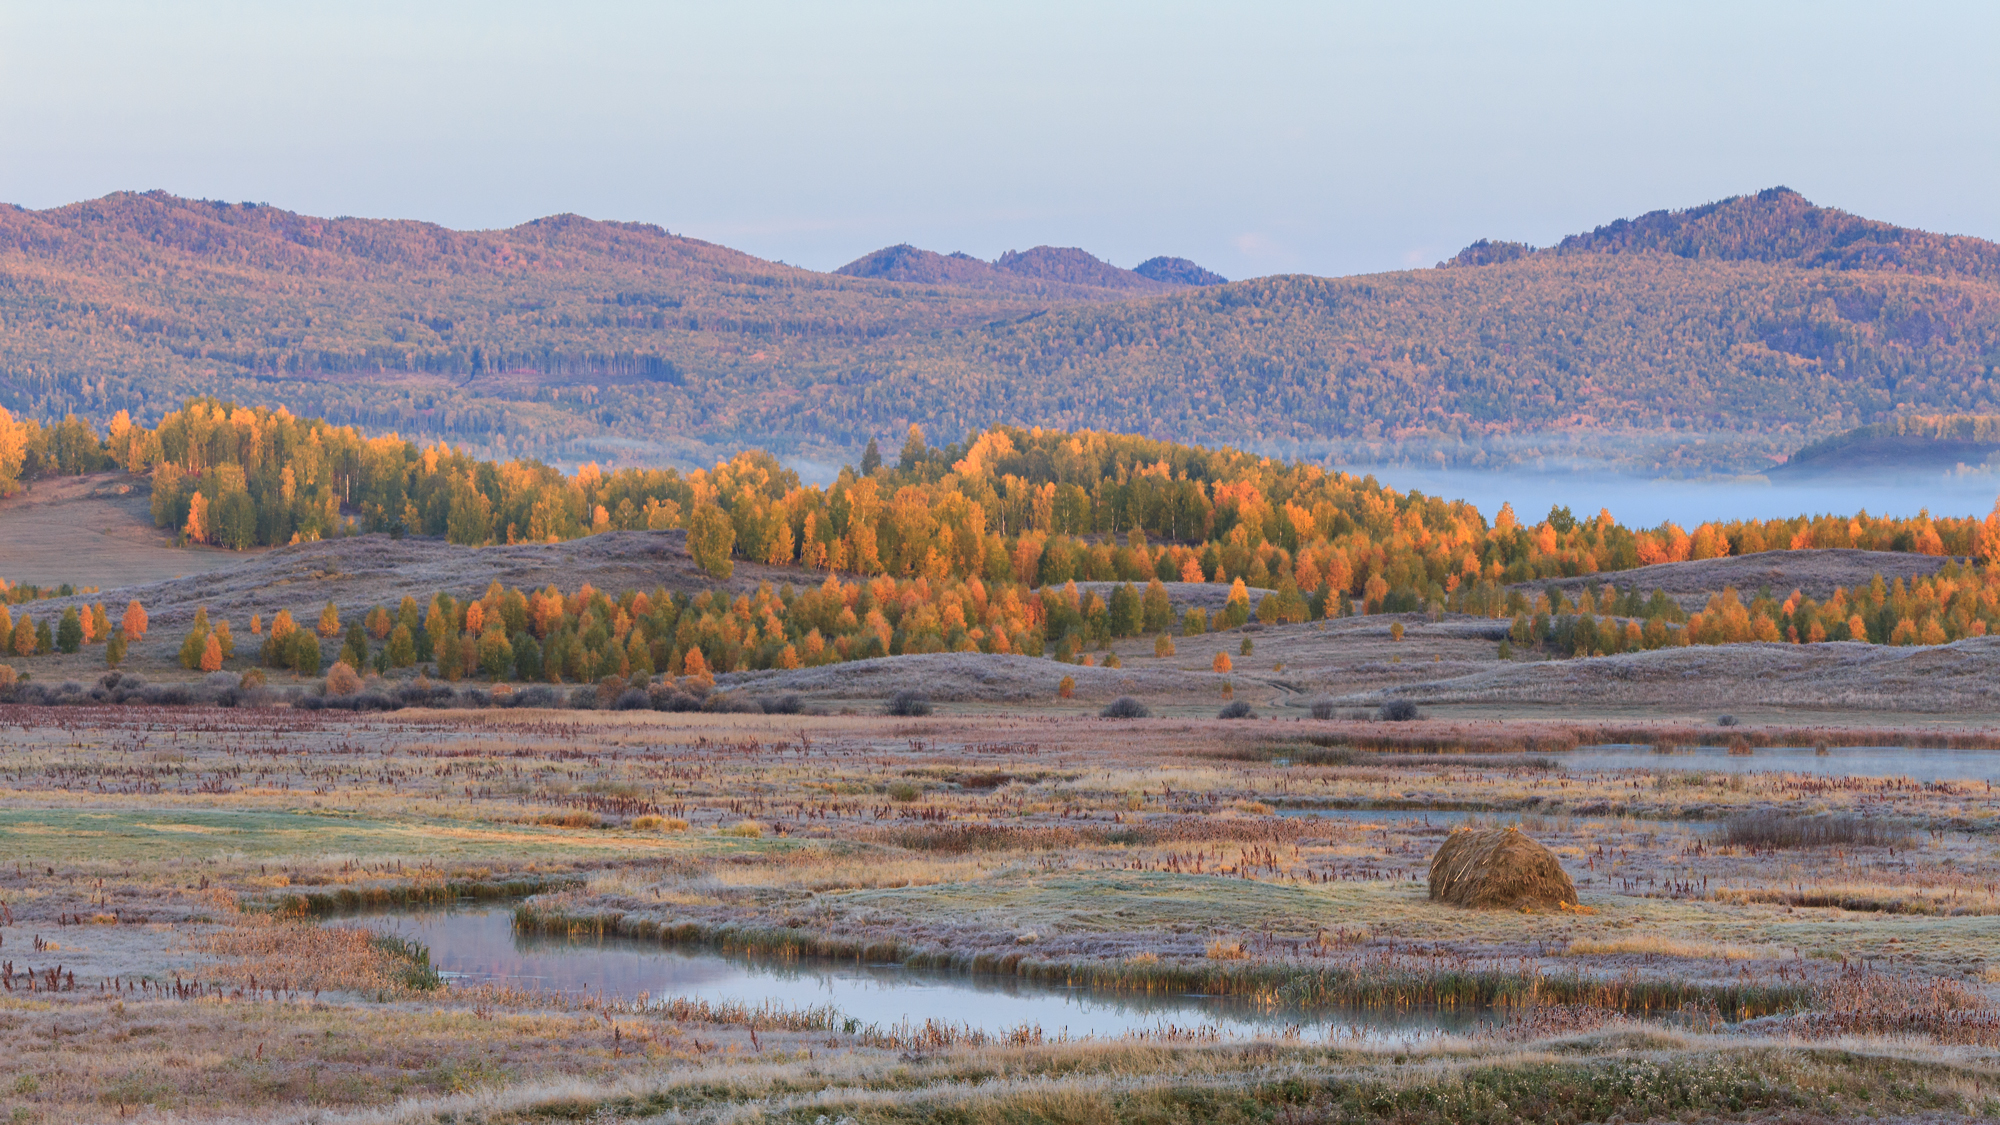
[(478, 944)]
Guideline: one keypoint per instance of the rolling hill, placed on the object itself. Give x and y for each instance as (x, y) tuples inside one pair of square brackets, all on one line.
[(1721, 337)]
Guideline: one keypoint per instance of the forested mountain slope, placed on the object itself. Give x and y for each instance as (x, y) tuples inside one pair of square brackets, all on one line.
[(1755, 324)]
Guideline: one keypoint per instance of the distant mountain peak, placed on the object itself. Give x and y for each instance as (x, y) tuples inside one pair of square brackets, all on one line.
[(1779, 225), (1487, 252), (1776, 225), (1178, 271), (1076, 271)]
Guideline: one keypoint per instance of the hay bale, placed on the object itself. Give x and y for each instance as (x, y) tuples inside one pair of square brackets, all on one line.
[(1499, 868)]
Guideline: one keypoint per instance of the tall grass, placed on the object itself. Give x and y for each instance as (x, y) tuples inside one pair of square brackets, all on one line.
[(1767, 828), (435, 892)]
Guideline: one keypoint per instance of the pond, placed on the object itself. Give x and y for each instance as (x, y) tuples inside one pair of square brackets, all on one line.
[(1839, 761), (479, 944)]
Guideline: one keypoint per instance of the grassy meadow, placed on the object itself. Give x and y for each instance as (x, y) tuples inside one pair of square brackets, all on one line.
[(1746, 945)]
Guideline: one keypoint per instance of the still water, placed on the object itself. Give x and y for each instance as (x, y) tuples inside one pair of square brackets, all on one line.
[(1838, 761), (479, 944)]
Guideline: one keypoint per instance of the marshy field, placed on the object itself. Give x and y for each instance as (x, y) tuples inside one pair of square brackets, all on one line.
[(270, 914)]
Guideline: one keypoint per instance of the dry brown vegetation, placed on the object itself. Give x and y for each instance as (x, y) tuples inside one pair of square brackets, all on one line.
[(171, 865)]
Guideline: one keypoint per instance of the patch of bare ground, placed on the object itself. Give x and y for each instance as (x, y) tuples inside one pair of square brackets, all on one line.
[(1816, 572), (356, 572), (1841, 676), (1210, 596), (95, 530), (969, 677)]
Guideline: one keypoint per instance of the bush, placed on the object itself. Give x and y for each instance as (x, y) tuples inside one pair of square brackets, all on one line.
[(907, 705), (632, 699), (1726, 721), (748, 829), (1239, 709), (1398, 711), (903, 792), (342, 680), (167, 695), (723, 703), (583, 698), (574, 818), (678, 701), (1322, 710), (1247, 648), (1125, 707), (651, 823), (538, 695), (783, 705)]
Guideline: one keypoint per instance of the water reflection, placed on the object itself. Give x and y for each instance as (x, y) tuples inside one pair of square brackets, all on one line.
[(480, 945)]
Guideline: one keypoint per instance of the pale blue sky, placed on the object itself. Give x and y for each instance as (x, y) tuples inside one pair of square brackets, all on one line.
[(1253, 138)]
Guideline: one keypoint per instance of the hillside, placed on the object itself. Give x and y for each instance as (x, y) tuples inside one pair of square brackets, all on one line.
[(1759, 323), (1909, 444)]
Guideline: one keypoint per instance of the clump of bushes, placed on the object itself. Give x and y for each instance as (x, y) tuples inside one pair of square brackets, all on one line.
[(1398, 711), (1236, 709), (907, 704), (1125, 707)]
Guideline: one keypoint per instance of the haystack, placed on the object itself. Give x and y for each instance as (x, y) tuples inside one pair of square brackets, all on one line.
[(1499, 868)]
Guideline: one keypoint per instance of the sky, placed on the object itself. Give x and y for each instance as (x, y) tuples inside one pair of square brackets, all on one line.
[(1320, 138)]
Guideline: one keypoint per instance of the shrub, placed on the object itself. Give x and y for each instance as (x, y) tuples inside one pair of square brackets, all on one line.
[(1247, 648), (1125, 707), (1066, 689), (1163, 646), (537, 695), (909, 704), (632, 699), (651, 823), (677, 701), (1396, 631), (723, 703), (342, 680), (1725, 721), (1322, 710), (1239, 709), (1222, 663), (783, 705), (748, 829), (1398, 711), (904, 792), (572, 818)]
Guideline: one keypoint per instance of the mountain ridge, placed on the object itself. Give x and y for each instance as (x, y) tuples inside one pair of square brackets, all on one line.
[(1776, 225), (569, 338)]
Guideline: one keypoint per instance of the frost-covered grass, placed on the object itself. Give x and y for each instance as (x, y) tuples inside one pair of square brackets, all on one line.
[(165, 860)]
